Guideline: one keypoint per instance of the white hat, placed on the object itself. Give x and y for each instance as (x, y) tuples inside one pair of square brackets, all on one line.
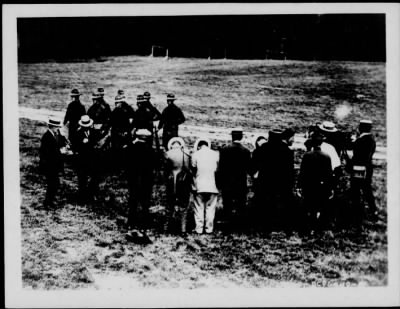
[(204, 139), (175, 140), (327, 126), (143, 133), (85, 121), (54, 122)]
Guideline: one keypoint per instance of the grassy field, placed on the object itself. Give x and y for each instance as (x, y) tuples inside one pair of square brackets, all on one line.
[(84, 247)]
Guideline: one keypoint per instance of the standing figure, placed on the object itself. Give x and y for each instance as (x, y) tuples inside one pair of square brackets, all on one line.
[(87, 169), (328, 131), (121, 127), (315, 182), (233, 169), (275, 179), (204, 165), (171, 117), (51, 160), (179, 182), (362, 170), (100, 112), (143, 118), (75, 111), (156, 115), (139, 170)]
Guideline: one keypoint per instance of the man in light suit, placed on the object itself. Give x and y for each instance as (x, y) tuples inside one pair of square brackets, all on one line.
[(204, 165)]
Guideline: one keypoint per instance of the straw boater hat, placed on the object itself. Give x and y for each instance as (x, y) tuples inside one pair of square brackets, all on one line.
[(204, 139), (171, 97), (258, 138), (85, 121), (147, 95), (365, 125), (75, 93), (52, 122), (175, 140), (139, 98), (120, 98), (327, 126), (95, 95), (142, 133)]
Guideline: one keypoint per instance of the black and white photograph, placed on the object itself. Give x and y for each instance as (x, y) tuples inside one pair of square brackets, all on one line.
[(201, 155)]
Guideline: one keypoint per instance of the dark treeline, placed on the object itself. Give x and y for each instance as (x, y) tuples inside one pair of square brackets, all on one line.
[(359, 37)]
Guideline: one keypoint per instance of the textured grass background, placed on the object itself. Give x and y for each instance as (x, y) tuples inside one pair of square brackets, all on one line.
[(75, 246)]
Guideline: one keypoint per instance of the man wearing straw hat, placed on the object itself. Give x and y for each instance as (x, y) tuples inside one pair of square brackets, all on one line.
[(51, 160), (362, 169), (171, 117), (85, 160), (100, 111), (139, 171), (75, 111), (179, 183)]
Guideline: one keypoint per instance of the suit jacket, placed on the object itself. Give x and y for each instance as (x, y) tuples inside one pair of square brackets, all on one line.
[(141, 163), (143, 119), (171, 117), (276, 168), (100, 112), (234, 166), (363, 149), (316, 175), (75, 111), (51, 160), (205, 163)]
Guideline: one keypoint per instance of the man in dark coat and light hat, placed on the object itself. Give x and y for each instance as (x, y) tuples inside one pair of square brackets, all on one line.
[(171, 117), (51, 160), (362, 170), (75, 111), (100, 111), (234, 167), (139, 171)]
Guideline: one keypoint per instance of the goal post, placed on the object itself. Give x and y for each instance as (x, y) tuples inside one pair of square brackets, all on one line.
[(159, 51)]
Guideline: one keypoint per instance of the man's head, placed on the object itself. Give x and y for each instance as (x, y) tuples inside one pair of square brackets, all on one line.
[(260, 140), (54, 124), (119, 99), (317, 138), (176, 142), (120, 92), (365, 126), (95, 97), (288, 136), (275, 136), (170, 98), (75, 94), (85, 122), (202, 142), (100, 92), (237, 134), (327, 127), (146, 96), (139, 100)]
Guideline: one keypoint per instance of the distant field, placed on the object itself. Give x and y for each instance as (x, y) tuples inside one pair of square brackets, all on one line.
[(260, 94), (84, 246)]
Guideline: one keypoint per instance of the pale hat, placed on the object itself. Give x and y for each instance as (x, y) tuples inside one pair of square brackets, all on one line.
[(174, 140), (171, 97), (143, 133), (147, 95), (85, 121), (327, 126), (204, 139), (365, 125), (95, 95), (53, 122), (100, 92)]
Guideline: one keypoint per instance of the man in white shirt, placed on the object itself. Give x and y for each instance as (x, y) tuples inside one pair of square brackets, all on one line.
[(204, 164), (328, 127)]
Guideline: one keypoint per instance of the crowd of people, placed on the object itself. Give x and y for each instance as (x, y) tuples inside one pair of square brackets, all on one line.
[(200, 176)]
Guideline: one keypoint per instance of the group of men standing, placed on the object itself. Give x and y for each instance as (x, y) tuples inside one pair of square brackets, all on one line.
[(202, 173)]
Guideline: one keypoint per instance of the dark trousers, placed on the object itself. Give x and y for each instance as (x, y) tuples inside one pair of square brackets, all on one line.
[(359, 188), (167, 135), (52, 184), (234, 204), (140, 189), (88, 183), (316, 210)]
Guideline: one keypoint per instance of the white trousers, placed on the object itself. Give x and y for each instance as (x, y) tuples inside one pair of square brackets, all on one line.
[(204, 210)]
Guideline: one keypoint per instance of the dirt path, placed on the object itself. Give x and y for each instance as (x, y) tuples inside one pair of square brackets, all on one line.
[(214, 133)]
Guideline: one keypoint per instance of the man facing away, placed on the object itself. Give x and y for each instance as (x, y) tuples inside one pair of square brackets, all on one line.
[(233, 169), (139, 171), (51, 160), (178, 189), (362, 170), (204, 164), (171, 117), (75, 111)]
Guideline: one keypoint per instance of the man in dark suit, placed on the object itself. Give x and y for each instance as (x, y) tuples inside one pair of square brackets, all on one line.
[(362, 170), (85, 160), (275, 179), (143, 118), (233, 169), (75, 111), (171, 117), (51, 160), (100, 112), (139, 171), (315, 182)]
